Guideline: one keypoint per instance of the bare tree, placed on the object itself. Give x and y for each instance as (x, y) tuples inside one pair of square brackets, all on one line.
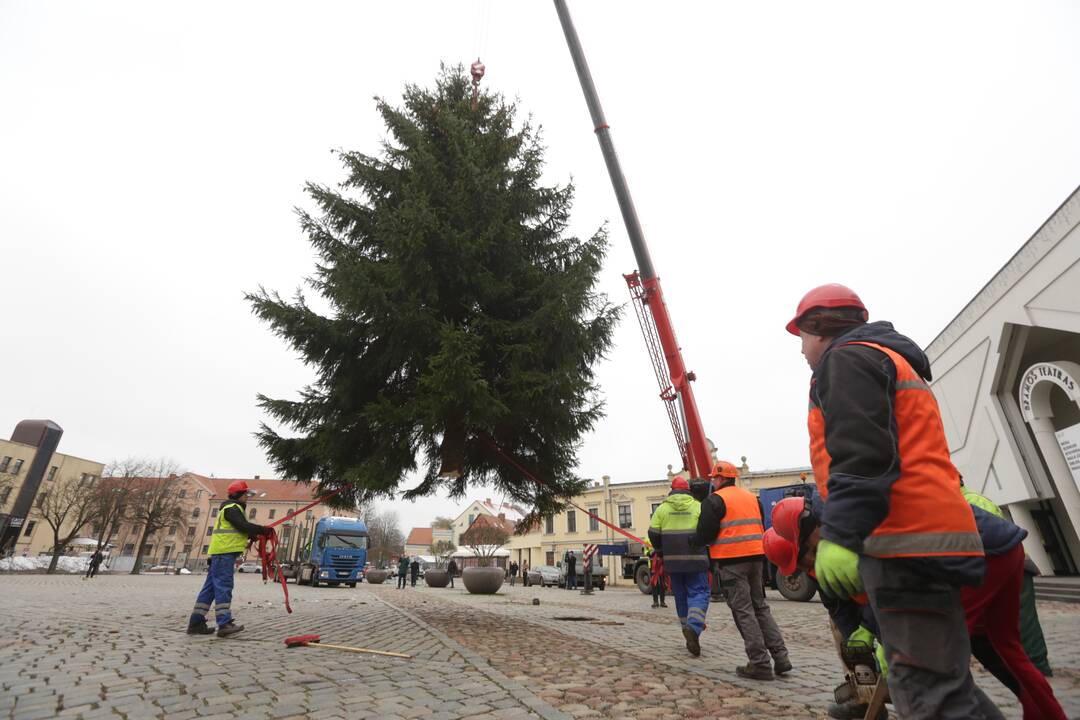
[(66, 508), (440, 548), (155, 503), (385, 538), (484, 537), (112, 496), (442, 523)]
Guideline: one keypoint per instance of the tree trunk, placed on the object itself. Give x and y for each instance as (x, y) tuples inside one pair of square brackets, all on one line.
[(57, 549), (141, 550)]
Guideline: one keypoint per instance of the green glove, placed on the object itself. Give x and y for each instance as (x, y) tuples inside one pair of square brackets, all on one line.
[(837, 570), (883, 667), (862, 635)]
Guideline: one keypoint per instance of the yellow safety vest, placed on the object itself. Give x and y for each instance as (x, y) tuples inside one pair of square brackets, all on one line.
[(226, 538)]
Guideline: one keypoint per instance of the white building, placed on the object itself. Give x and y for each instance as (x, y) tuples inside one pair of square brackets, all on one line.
[(506, 511), (1007, 376)]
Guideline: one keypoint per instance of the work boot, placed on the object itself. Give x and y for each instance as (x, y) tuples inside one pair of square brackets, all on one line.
[(655, 604), (229, 628), (782, 666), (755, 672), (199, 629), (852, 710), (663, 604), (692, 643)]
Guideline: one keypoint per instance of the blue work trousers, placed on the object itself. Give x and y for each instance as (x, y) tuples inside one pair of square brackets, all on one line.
[(217, 590), (571, 580), (691, 591)]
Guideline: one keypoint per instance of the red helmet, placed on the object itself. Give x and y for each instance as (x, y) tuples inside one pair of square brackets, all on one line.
[(237, 487), (832, 295), (785, 517), (722, 468), (679, 483), (781, 552)]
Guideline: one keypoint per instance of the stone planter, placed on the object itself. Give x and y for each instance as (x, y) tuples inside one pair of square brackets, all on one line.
[(376, 577), (483, 580), (436, 578)]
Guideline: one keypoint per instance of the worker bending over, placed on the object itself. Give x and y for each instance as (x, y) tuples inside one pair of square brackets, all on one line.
[(672, 533), (229, 540), (731, 523), (895, 523)]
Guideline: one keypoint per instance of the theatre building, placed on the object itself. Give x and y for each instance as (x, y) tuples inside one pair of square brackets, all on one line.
[(1007, 376)]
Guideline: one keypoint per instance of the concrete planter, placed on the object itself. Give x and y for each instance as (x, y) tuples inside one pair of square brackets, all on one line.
[(376, 577), (436, 578), (483, 580)]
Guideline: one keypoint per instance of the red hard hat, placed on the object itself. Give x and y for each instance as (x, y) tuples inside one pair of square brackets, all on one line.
[(781, 552), (238, 486), (679, 483), (722, 468), (785, 517), (832, 295)]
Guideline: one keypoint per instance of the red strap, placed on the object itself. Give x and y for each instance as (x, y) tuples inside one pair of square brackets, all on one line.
[(538, 481), (310, 505), (267, 547)]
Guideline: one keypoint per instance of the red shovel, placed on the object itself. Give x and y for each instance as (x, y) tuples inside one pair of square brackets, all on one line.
[(313, 641)]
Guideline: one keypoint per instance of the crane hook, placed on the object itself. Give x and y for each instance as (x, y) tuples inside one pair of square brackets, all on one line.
[(477, 71)]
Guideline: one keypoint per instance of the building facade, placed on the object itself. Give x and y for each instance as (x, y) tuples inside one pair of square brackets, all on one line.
[(475, 509), (629, 506), (1007, 376)]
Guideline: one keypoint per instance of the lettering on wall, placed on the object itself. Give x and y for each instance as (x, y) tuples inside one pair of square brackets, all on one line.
[(1039, 373), (1069, 440)]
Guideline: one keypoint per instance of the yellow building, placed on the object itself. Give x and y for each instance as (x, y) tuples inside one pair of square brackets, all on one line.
[(628, 506), (29, 458)]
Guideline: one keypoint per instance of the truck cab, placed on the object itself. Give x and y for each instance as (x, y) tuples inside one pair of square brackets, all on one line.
[(336, 554)]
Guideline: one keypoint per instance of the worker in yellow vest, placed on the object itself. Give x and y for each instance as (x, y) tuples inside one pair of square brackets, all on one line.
[(731, 523), (229, 540)]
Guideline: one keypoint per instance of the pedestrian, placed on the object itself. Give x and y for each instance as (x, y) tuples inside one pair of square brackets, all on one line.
[(571, 570), (991, 609), (414, 571), (524, 572), (451, 570), (228, 541), (895, 523), (658, 580), (95, 563), (513, 573), (673, 534), (402, 571), (731, 521)]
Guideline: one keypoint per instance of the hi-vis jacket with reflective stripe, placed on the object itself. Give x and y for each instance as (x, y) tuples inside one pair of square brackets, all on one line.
[(880, 456), (226, 537), (741, 527), (673, 533)]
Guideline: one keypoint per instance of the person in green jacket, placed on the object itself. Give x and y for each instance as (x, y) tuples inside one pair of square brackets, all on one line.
[(1031, 634), (402, 570)]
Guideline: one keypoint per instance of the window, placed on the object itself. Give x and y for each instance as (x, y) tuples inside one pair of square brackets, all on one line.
[(550, 558), (29, 528), (52, 474), (182, 493), (209, 531), (165, 554), (653, 510), (194, 512), (205, 548), (18, 466), (41, 499), (190, 532), (549, 525), (213, 512), (285, 532), (129, 549), (251, 513), (273, 512), (187, 549), (172, 529), (626, 516), (4, 463), (594, 524), (309, 514), (4, 494), (471, 518), (571, 521)]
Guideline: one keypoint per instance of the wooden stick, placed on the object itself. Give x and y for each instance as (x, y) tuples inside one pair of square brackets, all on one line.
[(357, 650), (877, 700)]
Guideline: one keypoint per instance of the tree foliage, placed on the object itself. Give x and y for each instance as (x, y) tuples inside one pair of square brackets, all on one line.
[(463, 316)]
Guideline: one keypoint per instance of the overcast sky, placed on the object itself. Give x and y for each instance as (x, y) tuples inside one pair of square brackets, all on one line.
[(151, 156)]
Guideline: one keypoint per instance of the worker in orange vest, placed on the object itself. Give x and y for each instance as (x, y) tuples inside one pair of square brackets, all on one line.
[(731, 523), (894, 522)]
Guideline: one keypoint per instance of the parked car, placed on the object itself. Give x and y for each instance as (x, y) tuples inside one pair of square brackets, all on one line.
[(543, 575), (250, 567)]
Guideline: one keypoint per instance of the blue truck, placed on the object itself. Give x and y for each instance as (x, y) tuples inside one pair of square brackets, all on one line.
[(798, 586), (336, 554)]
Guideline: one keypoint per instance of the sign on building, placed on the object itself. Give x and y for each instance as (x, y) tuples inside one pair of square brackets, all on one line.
[(1069, 440)]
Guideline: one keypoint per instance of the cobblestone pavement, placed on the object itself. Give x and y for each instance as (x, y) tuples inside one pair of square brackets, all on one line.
[(115, 647)]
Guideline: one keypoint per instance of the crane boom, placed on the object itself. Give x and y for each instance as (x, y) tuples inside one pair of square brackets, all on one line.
[(644, 284)]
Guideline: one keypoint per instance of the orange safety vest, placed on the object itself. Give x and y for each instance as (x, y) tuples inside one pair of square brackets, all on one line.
[(928, 515), (740, 529)]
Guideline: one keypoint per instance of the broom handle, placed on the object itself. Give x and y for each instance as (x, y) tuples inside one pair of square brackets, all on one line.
[(359, 650)]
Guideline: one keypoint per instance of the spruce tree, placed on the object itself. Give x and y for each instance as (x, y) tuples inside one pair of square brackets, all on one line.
[(463, 316)]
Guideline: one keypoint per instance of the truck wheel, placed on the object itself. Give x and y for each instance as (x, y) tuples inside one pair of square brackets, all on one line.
[(641, 577), (315, 577), (798, 586), (352, 584)]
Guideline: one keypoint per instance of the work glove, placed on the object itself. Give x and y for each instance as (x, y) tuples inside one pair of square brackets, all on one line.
[(265, 532), (862, 635), (883, 666), (837, 570)]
